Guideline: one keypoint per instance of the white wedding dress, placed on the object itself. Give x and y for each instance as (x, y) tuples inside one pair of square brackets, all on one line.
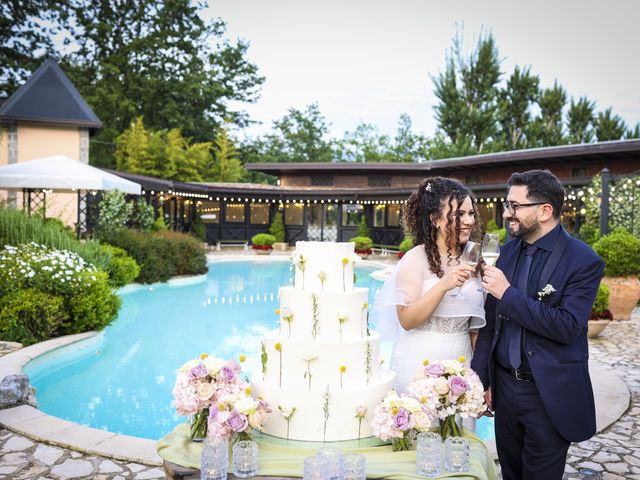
[(443, 336)]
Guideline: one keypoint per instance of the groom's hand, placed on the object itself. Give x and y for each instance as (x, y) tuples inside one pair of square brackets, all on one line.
[(487, 401), (494, 281)]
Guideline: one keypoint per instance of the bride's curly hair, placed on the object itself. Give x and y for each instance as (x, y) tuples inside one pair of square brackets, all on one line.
[(424, 206)]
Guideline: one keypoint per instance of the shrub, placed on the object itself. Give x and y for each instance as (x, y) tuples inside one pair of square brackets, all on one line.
[(161, 255), (114, 213), (405, 245), (18, 228), (589, 233), (198, 229), (621, 253), (492, 227), (30, 316), (363, 230), (122, 268), (159, 225), (363, 244), (141, 217), (55, 274), (263, 241), (601, 303), (277, 228)]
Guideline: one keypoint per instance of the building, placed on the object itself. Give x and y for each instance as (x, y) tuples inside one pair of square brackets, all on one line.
[(46, 116)]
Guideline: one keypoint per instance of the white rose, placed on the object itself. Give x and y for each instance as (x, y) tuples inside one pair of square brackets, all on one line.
[(442, 386), (245, 405), (205, 391), (213, 365), (189, 365)]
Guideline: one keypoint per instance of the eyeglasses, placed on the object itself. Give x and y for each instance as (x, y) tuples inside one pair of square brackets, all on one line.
[(513, 207)]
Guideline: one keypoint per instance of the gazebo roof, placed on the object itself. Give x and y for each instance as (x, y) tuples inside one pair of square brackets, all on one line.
[(49, 97)]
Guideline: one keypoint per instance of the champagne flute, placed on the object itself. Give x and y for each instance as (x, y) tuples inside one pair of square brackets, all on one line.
[(490, 250), (470, 256)]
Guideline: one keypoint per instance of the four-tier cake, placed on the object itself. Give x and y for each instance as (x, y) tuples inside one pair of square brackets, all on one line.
[(321, 368)]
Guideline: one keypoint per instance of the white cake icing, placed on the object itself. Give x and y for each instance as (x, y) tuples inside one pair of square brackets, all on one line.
[(322, 360)]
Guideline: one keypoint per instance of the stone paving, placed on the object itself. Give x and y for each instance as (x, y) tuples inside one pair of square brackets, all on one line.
[(614, 454)]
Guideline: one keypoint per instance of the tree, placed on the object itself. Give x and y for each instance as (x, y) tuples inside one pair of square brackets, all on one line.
[(579, 121), (226, 166), (408, 146), (147, 58), (609, 126), (547, 127), (364, 144), (467, 93), (514, 110), (132, 150)]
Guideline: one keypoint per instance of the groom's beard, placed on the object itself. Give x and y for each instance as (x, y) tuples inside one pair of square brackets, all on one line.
[(523, 229)]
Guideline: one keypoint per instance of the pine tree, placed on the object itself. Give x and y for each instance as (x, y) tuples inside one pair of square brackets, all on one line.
[(226, 166), (609, 126), (514, 114), (547, 127), (580, 121), (132, 150)]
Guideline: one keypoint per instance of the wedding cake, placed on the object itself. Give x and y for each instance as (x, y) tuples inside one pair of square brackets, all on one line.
[(321, 369)]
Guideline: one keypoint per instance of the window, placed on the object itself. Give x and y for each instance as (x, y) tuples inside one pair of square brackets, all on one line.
[(472, 179), (259, 214), (379, 181), (293, 214), (322, 180), (579, 172), (351, 214), (234, 213), (378, 216), (209, 211), (393, 215)]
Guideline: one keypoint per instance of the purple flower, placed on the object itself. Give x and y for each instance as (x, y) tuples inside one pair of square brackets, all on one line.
[(237, 422), (434, 370), (458, 385), (198, 372), (401, 419), (226, 374)]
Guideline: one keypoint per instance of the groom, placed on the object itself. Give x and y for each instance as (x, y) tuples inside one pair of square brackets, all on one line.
[(532, 355)]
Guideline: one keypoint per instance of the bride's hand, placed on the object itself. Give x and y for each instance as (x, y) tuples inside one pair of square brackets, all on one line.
[(456, 277)]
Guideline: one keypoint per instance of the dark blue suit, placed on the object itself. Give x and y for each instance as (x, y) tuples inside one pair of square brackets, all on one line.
[(555, 347)]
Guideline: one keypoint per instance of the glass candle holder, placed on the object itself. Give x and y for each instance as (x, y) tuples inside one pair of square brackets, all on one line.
[(353, 467), (456, 454), (245, 459), (429, 454), (334, 456), (214, 461), (316, 468)]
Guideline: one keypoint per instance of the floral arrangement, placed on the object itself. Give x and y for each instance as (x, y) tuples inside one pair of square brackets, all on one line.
[(399, 418), (202, 383), (546, 291), (235, 416), (445, 389)]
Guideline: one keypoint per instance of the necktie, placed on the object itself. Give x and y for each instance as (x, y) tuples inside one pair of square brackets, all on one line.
[(515, 339)]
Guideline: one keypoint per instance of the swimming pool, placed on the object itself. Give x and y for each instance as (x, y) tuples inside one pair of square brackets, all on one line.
[(121, 380)]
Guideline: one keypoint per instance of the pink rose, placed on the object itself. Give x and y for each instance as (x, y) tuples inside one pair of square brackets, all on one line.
[(257, 418)]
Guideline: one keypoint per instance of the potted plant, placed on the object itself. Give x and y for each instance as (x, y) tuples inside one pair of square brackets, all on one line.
[(262, 243), (363, 246), (405, 246), (621, 253), (600, 313), (278, 231)]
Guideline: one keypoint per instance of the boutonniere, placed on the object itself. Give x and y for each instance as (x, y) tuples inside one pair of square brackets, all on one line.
[(547, 290)]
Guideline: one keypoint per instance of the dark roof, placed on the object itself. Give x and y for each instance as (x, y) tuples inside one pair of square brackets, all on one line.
[(530, 157), (49, 97)]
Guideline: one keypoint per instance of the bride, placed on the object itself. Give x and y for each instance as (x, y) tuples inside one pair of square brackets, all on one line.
[(430, 306)]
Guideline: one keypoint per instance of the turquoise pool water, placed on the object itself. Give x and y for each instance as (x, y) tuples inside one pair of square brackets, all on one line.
[(121, 380)]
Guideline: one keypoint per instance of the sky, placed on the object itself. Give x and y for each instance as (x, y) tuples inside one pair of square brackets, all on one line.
[(370, 61)]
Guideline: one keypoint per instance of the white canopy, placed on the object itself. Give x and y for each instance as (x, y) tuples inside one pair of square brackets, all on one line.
[(60, 172)]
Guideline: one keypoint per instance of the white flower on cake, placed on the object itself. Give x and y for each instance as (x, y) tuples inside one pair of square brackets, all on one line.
[(547, 290), (323, 278), (342, 317), (364, 322), (300, 261), (287, 413), (361, 413), (309, 357), (287, 316)]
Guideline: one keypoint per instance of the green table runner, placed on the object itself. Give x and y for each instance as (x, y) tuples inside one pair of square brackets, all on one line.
[(282, 458)]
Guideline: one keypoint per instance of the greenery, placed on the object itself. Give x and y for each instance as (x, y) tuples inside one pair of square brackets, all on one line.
[(589, 233), (141, 217), (159, 225), (621, 253), (492, 227), (114, 213), (198, 228), (277, 228), (263, 239), (18, 228), (161, 255), (363, 229), (363, 244), (122, 268), (405, 245), (601, 303), (46, 292)]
